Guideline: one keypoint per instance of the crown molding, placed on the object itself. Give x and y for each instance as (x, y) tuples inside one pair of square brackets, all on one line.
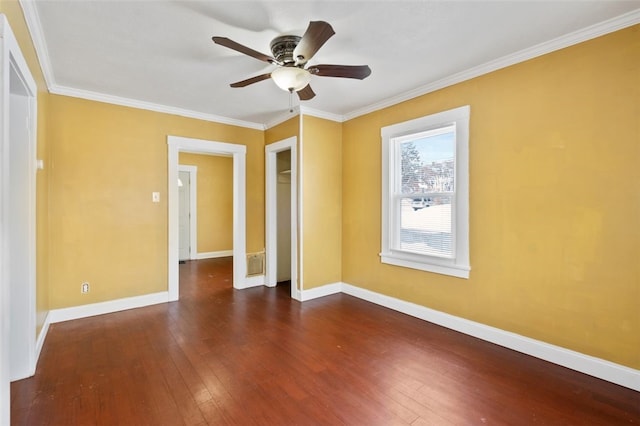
[(321, 114), (134, 103), (588, 33), (32, 19), (33, 23)]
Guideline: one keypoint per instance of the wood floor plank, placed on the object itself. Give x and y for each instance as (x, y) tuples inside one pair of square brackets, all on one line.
[(221, 356)]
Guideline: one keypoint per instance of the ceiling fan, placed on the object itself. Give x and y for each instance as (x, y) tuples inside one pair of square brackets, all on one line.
[(291, 54)]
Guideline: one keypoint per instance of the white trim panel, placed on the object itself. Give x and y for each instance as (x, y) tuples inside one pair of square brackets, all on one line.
[(405, 261), (42, 336), (596, 367), (214, 254), (253, 281), (316, 292), (108, 307), (299, 197)]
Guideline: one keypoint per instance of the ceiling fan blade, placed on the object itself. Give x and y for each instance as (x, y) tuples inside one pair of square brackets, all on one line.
[(306, 93), (318, 32), (223, 41), (345, 71), (251, 80)]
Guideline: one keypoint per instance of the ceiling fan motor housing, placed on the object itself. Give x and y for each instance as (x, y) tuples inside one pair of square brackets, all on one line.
[(282, 49), (290, 55)]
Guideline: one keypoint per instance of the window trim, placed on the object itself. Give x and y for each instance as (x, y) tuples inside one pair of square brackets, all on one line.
[(458, 266)]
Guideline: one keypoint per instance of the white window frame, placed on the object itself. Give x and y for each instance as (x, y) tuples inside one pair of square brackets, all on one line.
[(458, 265)]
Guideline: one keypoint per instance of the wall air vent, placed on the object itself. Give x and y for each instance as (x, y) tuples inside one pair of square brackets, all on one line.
[(255, 264)]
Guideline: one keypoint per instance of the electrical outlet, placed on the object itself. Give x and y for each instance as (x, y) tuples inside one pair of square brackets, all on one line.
[(85, 288)]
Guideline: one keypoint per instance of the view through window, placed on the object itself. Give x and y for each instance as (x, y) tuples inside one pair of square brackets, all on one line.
[(427, 192)]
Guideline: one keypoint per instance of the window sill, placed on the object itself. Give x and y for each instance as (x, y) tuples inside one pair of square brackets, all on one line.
[(408, 261)]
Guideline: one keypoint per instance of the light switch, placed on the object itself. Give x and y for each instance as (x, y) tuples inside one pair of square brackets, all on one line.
[(155, 197)]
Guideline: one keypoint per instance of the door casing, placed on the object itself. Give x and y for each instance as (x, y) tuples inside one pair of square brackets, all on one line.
[(271, 216), (18, 132), (177, 144)]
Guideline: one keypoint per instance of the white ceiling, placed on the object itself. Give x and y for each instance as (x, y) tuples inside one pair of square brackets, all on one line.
[(160, 53)]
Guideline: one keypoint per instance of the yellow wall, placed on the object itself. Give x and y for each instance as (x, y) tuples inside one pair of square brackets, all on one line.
[(321, 201), (106, 162), (42, 215), (554, 206), (282, 131), (214, 200), (13, 12)]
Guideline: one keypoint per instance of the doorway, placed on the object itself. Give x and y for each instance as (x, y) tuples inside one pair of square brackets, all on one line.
[(176, 145), (18, 108), (281, 175), (283, 215), (187, 213)]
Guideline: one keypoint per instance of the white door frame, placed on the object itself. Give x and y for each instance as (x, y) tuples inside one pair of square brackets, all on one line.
[(271, 213), (17, 299), (199, 146), (193, 208)]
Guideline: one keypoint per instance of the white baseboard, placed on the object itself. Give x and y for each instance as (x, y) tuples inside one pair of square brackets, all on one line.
[(596, 367), (42, 336), (214, 254), (296, 294), (83, 311), (254, 281), (325, 290)]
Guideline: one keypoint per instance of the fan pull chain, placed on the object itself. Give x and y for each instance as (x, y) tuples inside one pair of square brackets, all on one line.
[(290, 100)]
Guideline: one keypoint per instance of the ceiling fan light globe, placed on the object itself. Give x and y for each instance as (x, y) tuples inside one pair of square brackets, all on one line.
[(291, 78)]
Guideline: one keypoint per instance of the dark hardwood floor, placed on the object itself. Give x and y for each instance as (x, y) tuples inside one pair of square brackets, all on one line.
[(256, 357)]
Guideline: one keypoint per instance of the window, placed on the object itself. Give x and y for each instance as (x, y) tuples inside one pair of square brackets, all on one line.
[(425, 193)]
